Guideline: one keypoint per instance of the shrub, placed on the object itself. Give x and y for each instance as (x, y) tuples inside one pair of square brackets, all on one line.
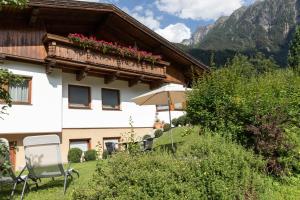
[(90, 155), (105, 154), (158, 133), (5, 165), (166, 127), (211, 167), (74, 155), (241, 100), (183, 120), (175, 122)]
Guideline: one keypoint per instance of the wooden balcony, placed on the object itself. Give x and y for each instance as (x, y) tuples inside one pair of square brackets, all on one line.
[(64, 52)]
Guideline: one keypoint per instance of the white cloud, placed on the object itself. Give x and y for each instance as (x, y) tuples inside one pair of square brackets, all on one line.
[(145, 17), (199, 9), (175, 32)]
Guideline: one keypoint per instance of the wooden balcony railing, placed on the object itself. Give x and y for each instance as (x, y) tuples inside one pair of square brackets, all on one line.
[(61, 48)]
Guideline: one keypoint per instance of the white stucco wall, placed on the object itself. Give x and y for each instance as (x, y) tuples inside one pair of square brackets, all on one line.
[(49, 111), (164, 115), (142, 116), (44, 115)]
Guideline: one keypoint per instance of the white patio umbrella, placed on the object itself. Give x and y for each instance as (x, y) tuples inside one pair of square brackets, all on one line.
[(168, 94)]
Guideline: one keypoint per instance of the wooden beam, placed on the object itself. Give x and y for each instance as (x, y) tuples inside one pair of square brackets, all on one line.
[(135, 81), (34, 16), (80, 75), (155, 85), (111, 78), (50, 65)]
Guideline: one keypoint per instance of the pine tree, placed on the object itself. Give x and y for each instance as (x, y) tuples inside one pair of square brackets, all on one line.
[(294, 51), (212, 63)]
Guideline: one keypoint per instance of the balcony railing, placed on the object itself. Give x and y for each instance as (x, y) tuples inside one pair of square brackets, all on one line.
[(61, 48)]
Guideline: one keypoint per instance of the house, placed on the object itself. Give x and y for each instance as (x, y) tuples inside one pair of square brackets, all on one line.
[(81, 73)]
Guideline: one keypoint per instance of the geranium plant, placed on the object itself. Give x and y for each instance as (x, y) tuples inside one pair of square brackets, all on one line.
[(113, 48)]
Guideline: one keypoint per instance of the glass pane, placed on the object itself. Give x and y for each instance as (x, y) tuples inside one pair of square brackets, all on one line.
[(162, 107), (178, 106), (110, 99), (19, 92), (79, 96), (83, 145)]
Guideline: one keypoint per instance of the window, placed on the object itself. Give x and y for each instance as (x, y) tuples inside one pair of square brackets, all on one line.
[(110, 99), (175, 107), (83, 144), (21, 93), (115, 142), (79, 97)]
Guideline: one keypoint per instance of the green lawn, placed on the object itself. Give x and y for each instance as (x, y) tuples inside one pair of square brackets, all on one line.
[(289, 189), (53, 190)]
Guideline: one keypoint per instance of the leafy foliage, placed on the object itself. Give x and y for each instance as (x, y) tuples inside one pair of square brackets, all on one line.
[(208, 168), (16, 3), (90, 155), (166, 127), (74, 155), (294, 51), (7, 78), (5, 164), (113, 48), (253, 103), (158, 133)]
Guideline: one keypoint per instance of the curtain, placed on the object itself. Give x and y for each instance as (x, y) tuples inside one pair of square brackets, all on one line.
[(19, 93)]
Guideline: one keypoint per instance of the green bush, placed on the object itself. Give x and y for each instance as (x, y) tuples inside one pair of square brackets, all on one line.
[(90, 155), (175, 122), (74, 155), (158, 133), (252, 103), (166, 127), (183, 120), (211, 168), (105, 154)]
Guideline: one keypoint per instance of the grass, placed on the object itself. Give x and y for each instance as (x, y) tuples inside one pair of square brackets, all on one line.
[(288, 188), (53, 190), (180, 135)]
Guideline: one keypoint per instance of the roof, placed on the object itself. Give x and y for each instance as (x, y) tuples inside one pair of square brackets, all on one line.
[(167, 46)]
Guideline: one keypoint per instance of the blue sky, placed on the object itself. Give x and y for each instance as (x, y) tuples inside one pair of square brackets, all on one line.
[(177, 19)]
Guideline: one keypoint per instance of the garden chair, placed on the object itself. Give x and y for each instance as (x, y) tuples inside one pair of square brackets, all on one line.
[(9, 177), (148, 144), (43, 159)]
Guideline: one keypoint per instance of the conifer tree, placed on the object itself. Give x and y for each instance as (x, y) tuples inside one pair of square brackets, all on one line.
[(294, 51)]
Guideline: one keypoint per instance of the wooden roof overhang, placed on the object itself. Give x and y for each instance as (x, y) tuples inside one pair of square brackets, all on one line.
[(62, 53), (106, 22), (93, 18)]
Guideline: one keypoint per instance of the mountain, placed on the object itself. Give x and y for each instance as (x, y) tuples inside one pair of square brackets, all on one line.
[(202, 31), (265, 26)]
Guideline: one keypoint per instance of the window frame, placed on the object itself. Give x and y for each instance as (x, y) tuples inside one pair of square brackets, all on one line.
[(72, 106), (119, 99), (111, 138), (88, 140), (29, 102)]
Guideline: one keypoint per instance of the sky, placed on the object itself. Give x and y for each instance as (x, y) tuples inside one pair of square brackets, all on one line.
[(176, 20)]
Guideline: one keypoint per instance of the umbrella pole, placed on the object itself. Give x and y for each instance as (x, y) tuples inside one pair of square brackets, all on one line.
[(170, 119)]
